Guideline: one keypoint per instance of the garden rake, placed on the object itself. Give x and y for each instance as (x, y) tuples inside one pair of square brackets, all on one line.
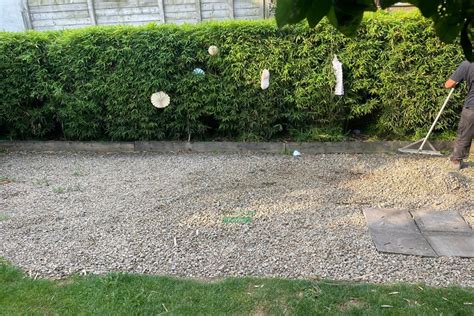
[(413, 147)]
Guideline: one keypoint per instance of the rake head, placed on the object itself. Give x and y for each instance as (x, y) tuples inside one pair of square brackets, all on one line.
[(415, 148)]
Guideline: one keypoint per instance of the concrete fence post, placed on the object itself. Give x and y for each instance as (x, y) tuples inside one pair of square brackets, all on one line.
[(90, 8), (162, 11), (198, 11), (230, 3), (25, 13)]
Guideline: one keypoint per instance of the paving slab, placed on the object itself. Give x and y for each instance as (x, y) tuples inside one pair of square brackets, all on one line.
[(429, 220), (390, 219), (67, 146), (162, 146), (344, 147), (394, 231), (235, 147), (452, 244), (422, 232)]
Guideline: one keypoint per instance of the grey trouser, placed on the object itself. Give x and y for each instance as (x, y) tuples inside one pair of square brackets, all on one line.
[(465, 134)]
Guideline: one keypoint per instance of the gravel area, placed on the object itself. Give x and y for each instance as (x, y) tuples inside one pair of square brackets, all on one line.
[(214, 215)]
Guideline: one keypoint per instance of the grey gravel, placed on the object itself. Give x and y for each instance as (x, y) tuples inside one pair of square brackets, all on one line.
[(80, 213)]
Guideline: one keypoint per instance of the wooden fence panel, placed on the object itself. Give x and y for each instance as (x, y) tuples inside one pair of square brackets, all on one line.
[(181, 11), (215, 10), (64, 14), (58, 14), (247, 9), (127, 12), (52, 2)]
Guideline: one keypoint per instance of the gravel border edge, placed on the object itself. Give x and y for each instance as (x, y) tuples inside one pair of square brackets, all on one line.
[(350, 147)]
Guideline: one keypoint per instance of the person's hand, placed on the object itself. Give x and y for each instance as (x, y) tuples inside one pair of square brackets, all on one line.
[(450, 83)]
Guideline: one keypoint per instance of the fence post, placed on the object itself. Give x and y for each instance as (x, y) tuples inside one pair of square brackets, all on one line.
[(198, 11), (231, 8), (25, 13), (268, 4), (262, 9), (90, 8), (162, 10)]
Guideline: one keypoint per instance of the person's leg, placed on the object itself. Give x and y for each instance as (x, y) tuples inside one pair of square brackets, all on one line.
[(465, 133)]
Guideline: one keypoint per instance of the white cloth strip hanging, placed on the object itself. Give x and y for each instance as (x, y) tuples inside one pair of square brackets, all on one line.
[(337, 66)]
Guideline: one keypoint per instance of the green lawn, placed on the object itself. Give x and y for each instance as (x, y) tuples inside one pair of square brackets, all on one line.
[(127, 294)]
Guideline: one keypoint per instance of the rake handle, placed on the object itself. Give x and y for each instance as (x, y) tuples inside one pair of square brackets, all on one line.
[(436, 119)]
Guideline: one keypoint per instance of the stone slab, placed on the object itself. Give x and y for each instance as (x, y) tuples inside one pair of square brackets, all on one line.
[(67, 146), (413, 243), (208, 147), (345, 147), (458, 244), (394, 231), (428, 220), (100, 147), (236, 147), (356, 147), (157, 146), (390, 219)]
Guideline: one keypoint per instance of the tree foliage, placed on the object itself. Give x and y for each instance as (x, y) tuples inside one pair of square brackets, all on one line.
[(452, 18)]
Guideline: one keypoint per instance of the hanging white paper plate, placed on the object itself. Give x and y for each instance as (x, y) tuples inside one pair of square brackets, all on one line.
[(160, 99), (198, 71), (213, 50)]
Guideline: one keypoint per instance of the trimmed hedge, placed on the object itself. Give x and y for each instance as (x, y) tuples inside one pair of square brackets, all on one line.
[(95, 83)]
